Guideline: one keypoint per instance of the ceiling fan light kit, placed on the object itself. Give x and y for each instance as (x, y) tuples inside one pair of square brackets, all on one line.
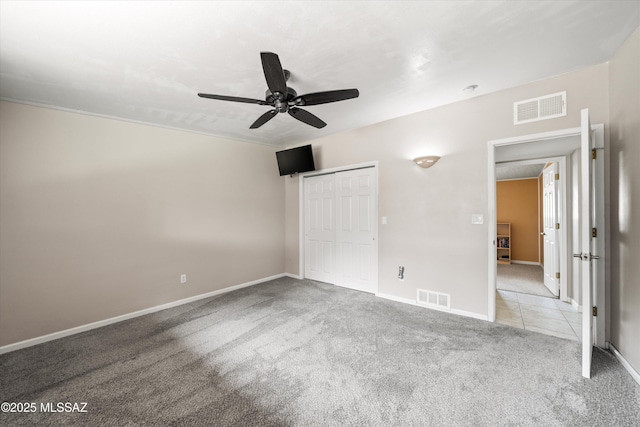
[(284, 99)]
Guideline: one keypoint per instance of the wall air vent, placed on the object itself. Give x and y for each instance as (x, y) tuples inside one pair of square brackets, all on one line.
[(542, 108), (433, 299)]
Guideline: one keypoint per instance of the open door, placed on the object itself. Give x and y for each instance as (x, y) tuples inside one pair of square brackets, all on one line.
[(591, 254), (586, 255), (550, 228)]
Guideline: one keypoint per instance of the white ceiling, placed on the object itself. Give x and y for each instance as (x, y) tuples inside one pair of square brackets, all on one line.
[(519, 161), (542, 149), (507, 172), (145, 61)]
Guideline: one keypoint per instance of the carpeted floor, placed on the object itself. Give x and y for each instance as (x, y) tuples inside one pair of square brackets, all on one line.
[(302, 353), (522, 278)]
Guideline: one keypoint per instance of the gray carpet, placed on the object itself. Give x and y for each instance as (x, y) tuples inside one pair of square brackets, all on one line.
[(522, 278), (302, 353)]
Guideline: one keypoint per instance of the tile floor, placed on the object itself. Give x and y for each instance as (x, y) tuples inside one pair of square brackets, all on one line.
[(548, 316)]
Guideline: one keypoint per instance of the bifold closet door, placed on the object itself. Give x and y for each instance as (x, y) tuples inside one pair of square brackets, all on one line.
[(340, 226), (319, 228), (356, 230)]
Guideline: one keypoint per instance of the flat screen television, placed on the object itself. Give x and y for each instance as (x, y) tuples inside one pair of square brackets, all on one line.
[(295, 160)]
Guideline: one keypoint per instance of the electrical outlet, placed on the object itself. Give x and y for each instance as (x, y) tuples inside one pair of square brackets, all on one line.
[(183, 278)]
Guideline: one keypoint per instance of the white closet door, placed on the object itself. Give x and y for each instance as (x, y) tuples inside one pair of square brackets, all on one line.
[(320, 231), (356, 226)]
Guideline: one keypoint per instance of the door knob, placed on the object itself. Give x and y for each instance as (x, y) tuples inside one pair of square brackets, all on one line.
[(594, 256)]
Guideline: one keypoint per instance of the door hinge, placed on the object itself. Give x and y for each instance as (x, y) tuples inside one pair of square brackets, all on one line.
[(595, 311), (594, 154), (557, 176), (594, 232), (557, 226), (558, 275)]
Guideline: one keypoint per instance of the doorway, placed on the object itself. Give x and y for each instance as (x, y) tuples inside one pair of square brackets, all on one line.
[(530, 206), (530, 200), (519, 266), (587, 266)]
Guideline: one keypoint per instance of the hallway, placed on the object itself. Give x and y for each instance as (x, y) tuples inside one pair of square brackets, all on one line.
[(534, 313)]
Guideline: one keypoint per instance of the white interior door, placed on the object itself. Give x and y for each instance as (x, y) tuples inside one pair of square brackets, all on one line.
[(319, 228), (356, 230), (586, 255), (550, 230), (598, 243)]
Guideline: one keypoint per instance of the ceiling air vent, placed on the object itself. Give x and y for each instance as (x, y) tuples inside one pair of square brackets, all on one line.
[(542, 108)]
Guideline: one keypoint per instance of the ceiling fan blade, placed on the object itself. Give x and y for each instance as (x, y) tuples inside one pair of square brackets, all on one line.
[(306, 117), (326, 97), (273, 73), (233, 98), (264, 119)]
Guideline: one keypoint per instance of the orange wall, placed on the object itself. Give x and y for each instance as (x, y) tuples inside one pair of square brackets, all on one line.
[(517, 203)]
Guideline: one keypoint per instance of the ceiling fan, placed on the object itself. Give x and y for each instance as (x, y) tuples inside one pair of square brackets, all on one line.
[(284, 99)]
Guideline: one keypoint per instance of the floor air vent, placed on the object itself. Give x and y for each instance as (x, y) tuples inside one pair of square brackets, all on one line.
[(434, 299), (542, 108)]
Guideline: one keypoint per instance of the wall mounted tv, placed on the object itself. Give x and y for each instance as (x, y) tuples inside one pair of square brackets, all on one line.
[(295, 160)]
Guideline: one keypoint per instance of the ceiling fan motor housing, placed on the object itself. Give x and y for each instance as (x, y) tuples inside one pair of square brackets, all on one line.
[(281, 105)]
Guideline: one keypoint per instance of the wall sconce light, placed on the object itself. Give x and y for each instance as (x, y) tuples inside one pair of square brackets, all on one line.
[(426, 161)]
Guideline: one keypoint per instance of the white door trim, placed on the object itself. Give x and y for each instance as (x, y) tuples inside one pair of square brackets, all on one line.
[(301, 253)]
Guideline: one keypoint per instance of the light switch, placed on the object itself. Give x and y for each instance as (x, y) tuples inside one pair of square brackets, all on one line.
[(384, 220), (477, 219)]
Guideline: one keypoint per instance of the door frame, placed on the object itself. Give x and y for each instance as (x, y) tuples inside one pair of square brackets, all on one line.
[(600, 290), (302, 176)]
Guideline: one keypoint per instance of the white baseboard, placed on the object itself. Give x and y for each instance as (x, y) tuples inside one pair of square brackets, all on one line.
[(397, 299), (83, 328), (452, 310), (513, 261), (294, 276), (623, 362), (575, 305)]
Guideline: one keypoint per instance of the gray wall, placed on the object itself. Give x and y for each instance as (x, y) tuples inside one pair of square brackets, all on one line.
[(624, 86), (429, 229), (99, 218)]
